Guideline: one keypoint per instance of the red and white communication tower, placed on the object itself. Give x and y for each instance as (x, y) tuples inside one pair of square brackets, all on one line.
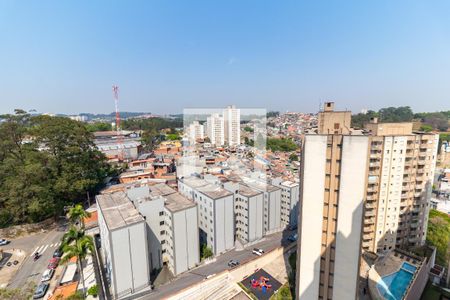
[(115, 89)]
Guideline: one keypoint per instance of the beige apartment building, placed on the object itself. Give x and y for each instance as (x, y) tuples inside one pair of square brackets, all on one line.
[(360, 190), (401, 172)]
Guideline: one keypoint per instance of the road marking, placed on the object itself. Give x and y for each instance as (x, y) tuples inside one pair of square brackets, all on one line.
[(45, 248), (35, 250)]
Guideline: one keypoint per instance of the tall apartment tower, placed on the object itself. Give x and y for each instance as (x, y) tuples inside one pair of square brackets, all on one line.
[(232, 122), (215, 129), (401, 172), (196, 132), (333, 180)]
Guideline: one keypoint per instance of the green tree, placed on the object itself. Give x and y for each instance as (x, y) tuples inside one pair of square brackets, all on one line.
[(46, 163), (205, 252), (396, 114), (426, 128), (93, 290), (360, 120), (248, 129), (77, 214), (150, 139), (283, 144), (98, 126), (79, 249), (438, 235), (293, 157)]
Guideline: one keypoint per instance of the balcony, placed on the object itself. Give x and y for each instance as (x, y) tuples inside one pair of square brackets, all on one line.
[(366, 244), (376, 146), (370, 213), (374, 164), (414, 225), (413, 239), (368, 229), (372, 189), (370, 205), (375, 154), (367, 237), (371, 197), (369, 221)]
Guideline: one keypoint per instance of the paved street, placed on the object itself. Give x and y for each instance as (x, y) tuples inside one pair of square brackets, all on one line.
[(197, 275), (32, 270)]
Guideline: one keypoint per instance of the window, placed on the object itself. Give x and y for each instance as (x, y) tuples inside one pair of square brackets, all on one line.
[(161, 223), (161, 213)]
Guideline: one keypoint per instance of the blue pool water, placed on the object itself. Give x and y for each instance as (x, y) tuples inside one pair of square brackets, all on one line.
[(393, 286)]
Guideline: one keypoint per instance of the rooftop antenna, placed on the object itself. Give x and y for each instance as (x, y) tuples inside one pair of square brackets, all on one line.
[(115, 89)]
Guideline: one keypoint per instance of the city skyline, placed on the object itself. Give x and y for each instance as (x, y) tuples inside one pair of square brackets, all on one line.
[(63, 58)]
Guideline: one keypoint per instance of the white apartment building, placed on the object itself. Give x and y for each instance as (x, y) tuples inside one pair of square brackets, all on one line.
[(248, 211), (180, 243), (272, 204), (333, 180), (126, 263), (172, 236), (196, 131), (289, 200), (232, 123), (215, 129), (215, 212)]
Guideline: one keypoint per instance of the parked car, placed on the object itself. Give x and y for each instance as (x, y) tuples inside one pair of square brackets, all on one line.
[(233, 263), (53, 263), (58, 253), (40, 291), (293, 237), (47, 275), (258, 252), (3, 242)]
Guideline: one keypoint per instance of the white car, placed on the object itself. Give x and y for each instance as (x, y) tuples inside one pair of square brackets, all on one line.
[(47, 275), (3, 242), (258, 252)]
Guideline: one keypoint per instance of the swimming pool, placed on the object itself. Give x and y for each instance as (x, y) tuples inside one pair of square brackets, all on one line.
[(393, 286)]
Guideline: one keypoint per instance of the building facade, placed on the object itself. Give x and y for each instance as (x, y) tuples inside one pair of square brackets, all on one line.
[(248, 211), (289, 201), (333, 179), (232, 123), (126, 264), (196, 132), (215, 212), (216, 129), (401, 173)]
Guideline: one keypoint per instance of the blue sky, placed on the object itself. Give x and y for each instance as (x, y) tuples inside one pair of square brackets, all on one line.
[(63, 56)]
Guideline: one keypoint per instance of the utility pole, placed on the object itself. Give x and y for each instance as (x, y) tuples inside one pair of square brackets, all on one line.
[(120, 153)]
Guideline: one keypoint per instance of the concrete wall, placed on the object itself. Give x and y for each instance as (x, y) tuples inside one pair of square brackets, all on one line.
[(185, 240), (310, 217), (349, 221), (151, 211), (274, 210), (293, 215), (129, 256), (255, 217), (223, 212)]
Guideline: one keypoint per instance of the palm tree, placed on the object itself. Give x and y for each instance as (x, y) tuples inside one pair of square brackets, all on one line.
[(77, 214), (72, 235), (81, 247)]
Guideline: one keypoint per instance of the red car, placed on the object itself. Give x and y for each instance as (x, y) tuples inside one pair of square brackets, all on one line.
[(53, 263)]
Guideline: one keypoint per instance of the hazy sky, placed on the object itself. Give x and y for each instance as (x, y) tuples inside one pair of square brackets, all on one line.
[(63, 56)]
